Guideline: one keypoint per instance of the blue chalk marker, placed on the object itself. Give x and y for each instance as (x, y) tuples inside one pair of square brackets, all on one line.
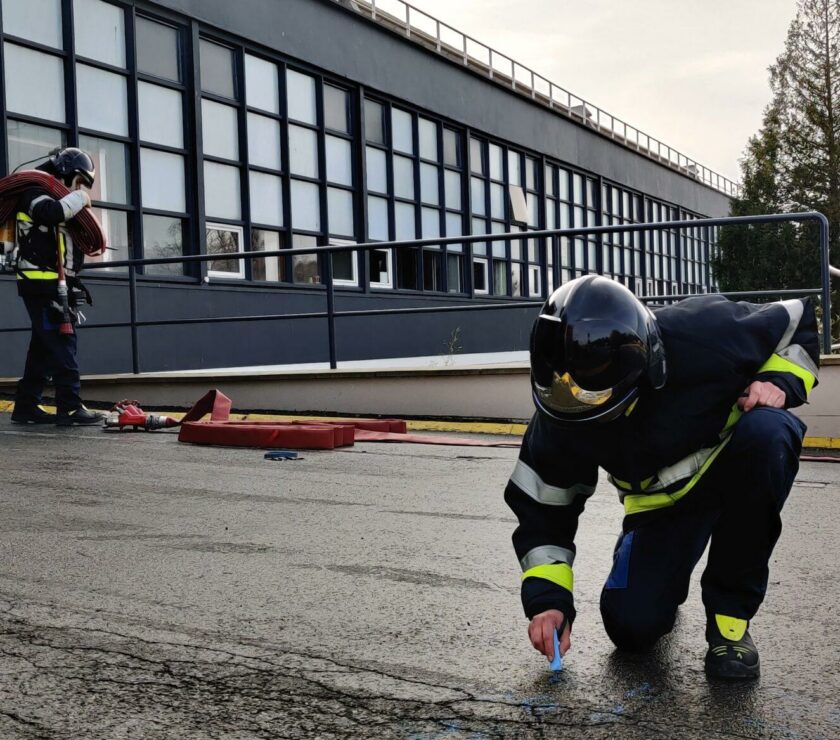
[(557, 663)]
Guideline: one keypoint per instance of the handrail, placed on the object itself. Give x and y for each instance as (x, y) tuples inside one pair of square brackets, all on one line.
[(432, 33), (327, 251)]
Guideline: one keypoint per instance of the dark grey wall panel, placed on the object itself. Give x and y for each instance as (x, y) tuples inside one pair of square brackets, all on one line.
[(337, 40)]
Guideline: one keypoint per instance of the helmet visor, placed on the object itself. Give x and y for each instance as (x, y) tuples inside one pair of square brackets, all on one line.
[(564, 396)]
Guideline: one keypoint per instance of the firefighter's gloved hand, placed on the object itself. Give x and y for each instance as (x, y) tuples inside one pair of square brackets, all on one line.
[(541, 632), (79, 292), (56, 313), (762, 393)]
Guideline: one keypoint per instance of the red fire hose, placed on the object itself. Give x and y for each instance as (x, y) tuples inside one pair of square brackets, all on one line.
[(85, 230)]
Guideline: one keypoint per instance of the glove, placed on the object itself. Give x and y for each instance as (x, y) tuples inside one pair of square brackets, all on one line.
[(78, 292), (74, 203)]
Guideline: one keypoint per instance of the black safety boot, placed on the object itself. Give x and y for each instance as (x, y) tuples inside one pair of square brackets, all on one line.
[(80, 417), (732, 654), (32, 415)]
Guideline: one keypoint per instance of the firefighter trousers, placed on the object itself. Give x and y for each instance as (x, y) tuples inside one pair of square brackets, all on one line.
[(736, 505)]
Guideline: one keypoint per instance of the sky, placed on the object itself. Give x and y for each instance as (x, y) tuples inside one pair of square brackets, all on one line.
[(692, 73)]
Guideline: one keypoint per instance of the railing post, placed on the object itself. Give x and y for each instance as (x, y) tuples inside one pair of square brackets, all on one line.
[(826, 284), (328, 274), (132, 303)]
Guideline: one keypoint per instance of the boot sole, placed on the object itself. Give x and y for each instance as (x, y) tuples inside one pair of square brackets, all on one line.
[(733, 670), (33, 421), (74, 423)]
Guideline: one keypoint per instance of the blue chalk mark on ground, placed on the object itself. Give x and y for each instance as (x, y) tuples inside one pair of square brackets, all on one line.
[(644, 690)]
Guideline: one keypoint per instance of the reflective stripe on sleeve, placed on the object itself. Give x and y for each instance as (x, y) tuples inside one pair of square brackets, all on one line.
[(796, 361), (546, 555), (795, 309), (525, 477), (561, 574), (23, 217)]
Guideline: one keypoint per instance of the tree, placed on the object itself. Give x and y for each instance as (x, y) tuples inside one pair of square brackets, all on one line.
[(792, 163)]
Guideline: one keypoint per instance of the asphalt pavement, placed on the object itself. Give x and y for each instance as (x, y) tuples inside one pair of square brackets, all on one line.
[(151, 589)]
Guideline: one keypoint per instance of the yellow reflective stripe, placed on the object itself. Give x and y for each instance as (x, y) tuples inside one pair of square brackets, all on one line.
[(631, 407), (23, 217), (559, 573), (778, 364), (731, 628), (641, 502), (625, 485), (37, 275), (734, 415)]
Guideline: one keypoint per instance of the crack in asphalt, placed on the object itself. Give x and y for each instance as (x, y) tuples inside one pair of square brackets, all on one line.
[(108, 678)]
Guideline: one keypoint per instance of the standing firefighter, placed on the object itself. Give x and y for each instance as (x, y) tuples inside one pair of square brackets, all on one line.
[(686, 411), (46, 257)]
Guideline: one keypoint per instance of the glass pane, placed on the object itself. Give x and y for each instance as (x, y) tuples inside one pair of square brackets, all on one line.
[(498, 248), (374, 128), (479, 226), (452, 184), (577, 181), (340, 211), (516, 279), (378, 267), (30, 142), (480, 276), (514, 168), (453, 273), (401, 131), (34, 83), (162, 180), (530, 173), (266, 198), (343, 264), (157, 49), (432, 263), (115, 226), (269, 268), (300, 92), (336, 107), (430, 223), (533, 209), (101, 100), (451, 148), (221, 240), (477, 196), (303, 151), (162, 238), (376, 173), (497, 200), (305, 266), (428, 139), (377, 219), (264, 142), (500, 277), (454, 228), (99, 29), (429, 185), (217, 69), (261, 84), (563, 184), (306, 206), (495, 156), (404, 221), (549, 180), (339, 161), (112, 169), (161, 115), (219, 130), (36, 20), (403, 177), (476, 160), (221, 191)]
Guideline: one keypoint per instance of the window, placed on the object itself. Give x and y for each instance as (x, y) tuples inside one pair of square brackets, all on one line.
[(161, 115), (34, 20), (163, 237), (102, 100), (162, 180), (157, 49), (217, 76), (221, 240), (300, 92), (99, 31), (262, 87), (31, 143), (40, 91), (267, 269)]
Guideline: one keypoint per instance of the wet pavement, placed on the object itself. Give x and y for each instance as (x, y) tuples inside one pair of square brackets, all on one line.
[(150, 589)]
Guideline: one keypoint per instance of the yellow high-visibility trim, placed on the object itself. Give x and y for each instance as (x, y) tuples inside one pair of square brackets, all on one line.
[(781, 365), (631, 407), (734, 416), (38, 275), (559, 573), (623, 484), (23, 217), (731, 628), (638, 503)]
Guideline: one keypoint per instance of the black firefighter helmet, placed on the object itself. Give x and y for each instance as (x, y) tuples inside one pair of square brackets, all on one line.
[(593, 346), (71, 162)]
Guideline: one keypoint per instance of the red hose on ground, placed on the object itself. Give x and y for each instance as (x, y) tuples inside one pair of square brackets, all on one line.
[(84, 228)]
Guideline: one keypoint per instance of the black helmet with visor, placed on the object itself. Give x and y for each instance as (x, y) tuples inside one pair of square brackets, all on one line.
[(592, 348), (72, 163)]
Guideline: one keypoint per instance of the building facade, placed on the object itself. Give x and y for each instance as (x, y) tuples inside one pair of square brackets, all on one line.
[(265, 124)]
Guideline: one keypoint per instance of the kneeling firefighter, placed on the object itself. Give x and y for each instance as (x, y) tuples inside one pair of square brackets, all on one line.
[(47, 264), (686, 409)]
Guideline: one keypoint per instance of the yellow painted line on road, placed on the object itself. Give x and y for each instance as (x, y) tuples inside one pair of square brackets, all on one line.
[(428, 425)]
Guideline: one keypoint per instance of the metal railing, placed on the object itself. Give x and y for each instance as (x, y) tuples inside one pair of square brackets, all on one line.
[(433, 34), (331, 314)]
